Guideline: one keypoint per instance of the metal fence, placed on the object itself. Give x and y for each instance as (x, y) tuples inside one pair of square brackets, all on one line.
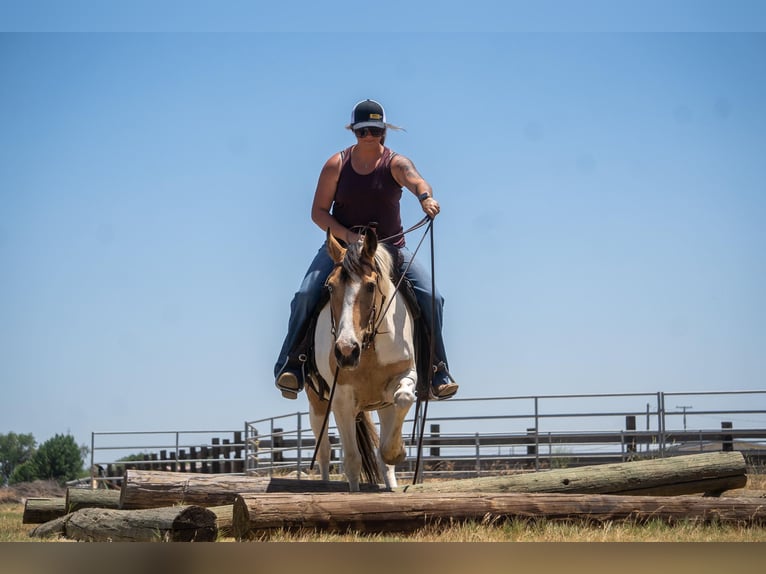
[(470, 436), (214, 452), (475, 436)]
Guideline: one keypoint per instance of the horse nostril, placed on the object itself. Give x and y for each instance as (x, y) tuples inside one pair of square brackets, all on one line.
[(348, 355)]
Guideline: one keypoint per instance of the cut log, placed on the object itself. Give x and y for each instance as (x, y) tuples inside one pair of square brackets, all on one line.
[(152, 489), (224, 518), (395, 512), (171, 524), (79, 498), (40, 510), (712, 472)]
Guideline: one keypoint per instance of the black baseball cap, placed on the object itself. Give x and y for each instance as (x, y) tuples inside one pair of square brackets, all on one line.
[(368, 114)]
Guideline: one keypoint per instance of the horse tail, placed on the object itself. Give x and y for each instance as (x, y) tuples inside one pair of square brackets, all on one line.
[(367, 441)]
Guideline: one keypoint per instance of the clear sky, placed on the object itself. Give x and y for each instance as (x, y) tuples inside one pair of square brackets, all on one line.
[(602, 226)]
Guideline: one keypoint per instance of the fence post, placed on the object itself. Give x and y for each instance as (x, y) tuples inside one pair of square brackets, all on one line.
[(532, 445), (176, 466), (630, 425), (226, 450), (477, 445), (299, 445), (237, 465), (537, 436), (92, 450), (216, 466), (251, 448), (181, 460), (727, 441), (661, 421), (277, 443), (435, 434)]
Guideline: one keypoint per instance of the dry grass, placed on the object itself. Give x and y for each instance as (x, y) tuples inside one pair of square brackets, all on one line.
[(11, 528), (545, 531)]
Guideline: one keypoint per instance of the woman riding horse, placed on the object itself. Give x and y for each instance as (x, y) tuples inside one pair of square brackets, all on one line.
[(359, 185)]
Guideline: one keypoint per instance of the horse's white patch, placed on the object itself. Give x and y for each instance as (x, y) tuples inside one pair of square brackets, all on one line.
[(346, 334)]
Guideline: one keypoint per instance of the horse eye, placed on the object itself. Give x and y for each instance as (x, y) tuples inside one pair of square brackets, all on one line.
[(371, 287)]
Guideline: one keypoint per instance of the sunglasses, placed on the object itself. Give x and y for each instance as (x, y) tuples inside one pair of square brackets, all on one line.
[(374, 132)]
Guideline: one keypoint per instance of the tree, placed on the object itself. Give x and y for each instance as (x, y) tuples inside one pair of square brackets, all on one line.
[(15, 449), (58, 458)]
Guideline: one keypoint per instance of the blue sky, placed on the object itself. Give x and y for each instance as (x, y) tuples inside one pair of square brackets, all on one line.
[(602, 196)]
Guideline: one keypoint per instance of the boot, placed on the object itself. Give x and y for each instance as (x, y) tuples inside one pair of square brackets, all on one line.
[(443, 386), (291, 378)]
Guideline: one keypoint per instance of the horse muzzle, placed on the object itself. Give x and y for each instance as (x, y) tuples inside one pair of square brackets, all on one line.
[(347, 355)]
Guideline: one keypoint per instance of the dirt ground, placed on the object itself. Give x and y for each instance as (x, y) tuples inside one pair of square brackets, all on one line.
[(18, 493)]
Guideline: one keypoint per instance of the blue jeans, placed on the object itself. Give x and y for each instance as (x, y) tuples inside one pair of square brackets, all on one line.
[(307, 298)]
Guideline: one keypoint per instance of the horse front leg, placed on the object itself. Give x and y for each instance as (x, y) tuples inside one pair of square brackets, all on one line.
[(392, 450), (317, 413), (345, 419)]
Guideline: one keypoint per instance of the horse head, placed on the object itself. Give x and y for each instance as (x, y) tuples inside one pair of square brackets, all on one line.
[(356, 296)]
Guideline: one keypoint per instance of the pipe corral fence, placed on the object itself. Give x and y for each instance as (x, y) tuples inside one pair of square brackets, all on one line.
[(470, 436)]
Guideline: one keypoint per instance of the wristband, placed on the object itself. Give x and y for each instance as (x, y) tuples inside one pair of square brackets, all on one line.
[(423, 196)]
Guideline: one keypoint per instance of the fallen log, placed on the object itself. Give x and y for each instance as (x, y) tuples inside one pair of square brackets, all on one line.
[(152, 489), (712, 472), (170, 524), (79, 498), (395, 512), (40, 510), (54, 528)]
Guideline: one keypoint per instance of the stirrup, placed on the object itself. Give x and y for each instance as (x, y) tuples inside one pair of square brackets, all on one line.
[(446, 390), (291, 379)]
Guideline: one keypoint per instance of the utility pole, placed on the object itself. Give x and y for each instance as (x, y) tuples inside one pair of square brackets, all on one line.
[(684, 408)]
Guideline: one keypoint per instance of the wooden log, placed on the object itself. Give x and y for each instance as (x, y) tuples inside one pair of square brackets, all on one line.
[(396, 512), (170, 524), (153, 489), (79, 498), (54, 528), (689, 474), (224, 518), (40, 510)]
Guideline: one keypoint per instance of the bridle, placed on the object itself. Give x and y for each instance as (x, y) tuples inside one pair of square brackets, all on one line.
[(371, 325)]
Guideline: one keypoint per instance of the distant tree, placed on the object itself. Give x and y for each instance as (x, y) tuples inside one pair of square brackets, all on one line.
[(25, 472), (15, 450), (58, 458)]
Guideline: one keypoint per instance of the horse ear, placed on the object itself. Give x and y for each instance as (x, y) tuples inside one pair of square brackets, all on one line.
[(370, 243), (334, 248)]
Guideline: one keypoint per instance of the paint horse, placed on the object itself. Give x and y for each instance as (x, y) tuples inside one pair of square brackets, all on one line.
[(364, 346)]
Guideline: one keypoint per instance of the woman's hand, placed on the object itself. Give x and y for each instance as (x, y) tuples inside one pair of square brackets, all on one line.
[(430, 207)]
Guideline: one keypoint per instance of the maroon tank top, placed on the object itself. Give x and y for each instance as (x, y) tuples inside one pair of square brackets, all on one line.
[(362, 199)]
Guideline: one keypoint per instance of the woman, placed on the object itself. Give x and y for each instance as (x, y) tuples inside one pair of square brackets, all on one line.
[(359, 185)]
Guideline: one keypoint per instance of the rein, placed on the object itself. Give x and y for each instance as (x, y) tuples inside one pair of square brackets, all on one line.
[(421, 223)]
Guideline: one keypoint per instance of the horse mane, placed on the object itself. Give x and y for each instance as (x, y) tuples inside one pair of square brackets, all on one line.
[(354, 262)]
